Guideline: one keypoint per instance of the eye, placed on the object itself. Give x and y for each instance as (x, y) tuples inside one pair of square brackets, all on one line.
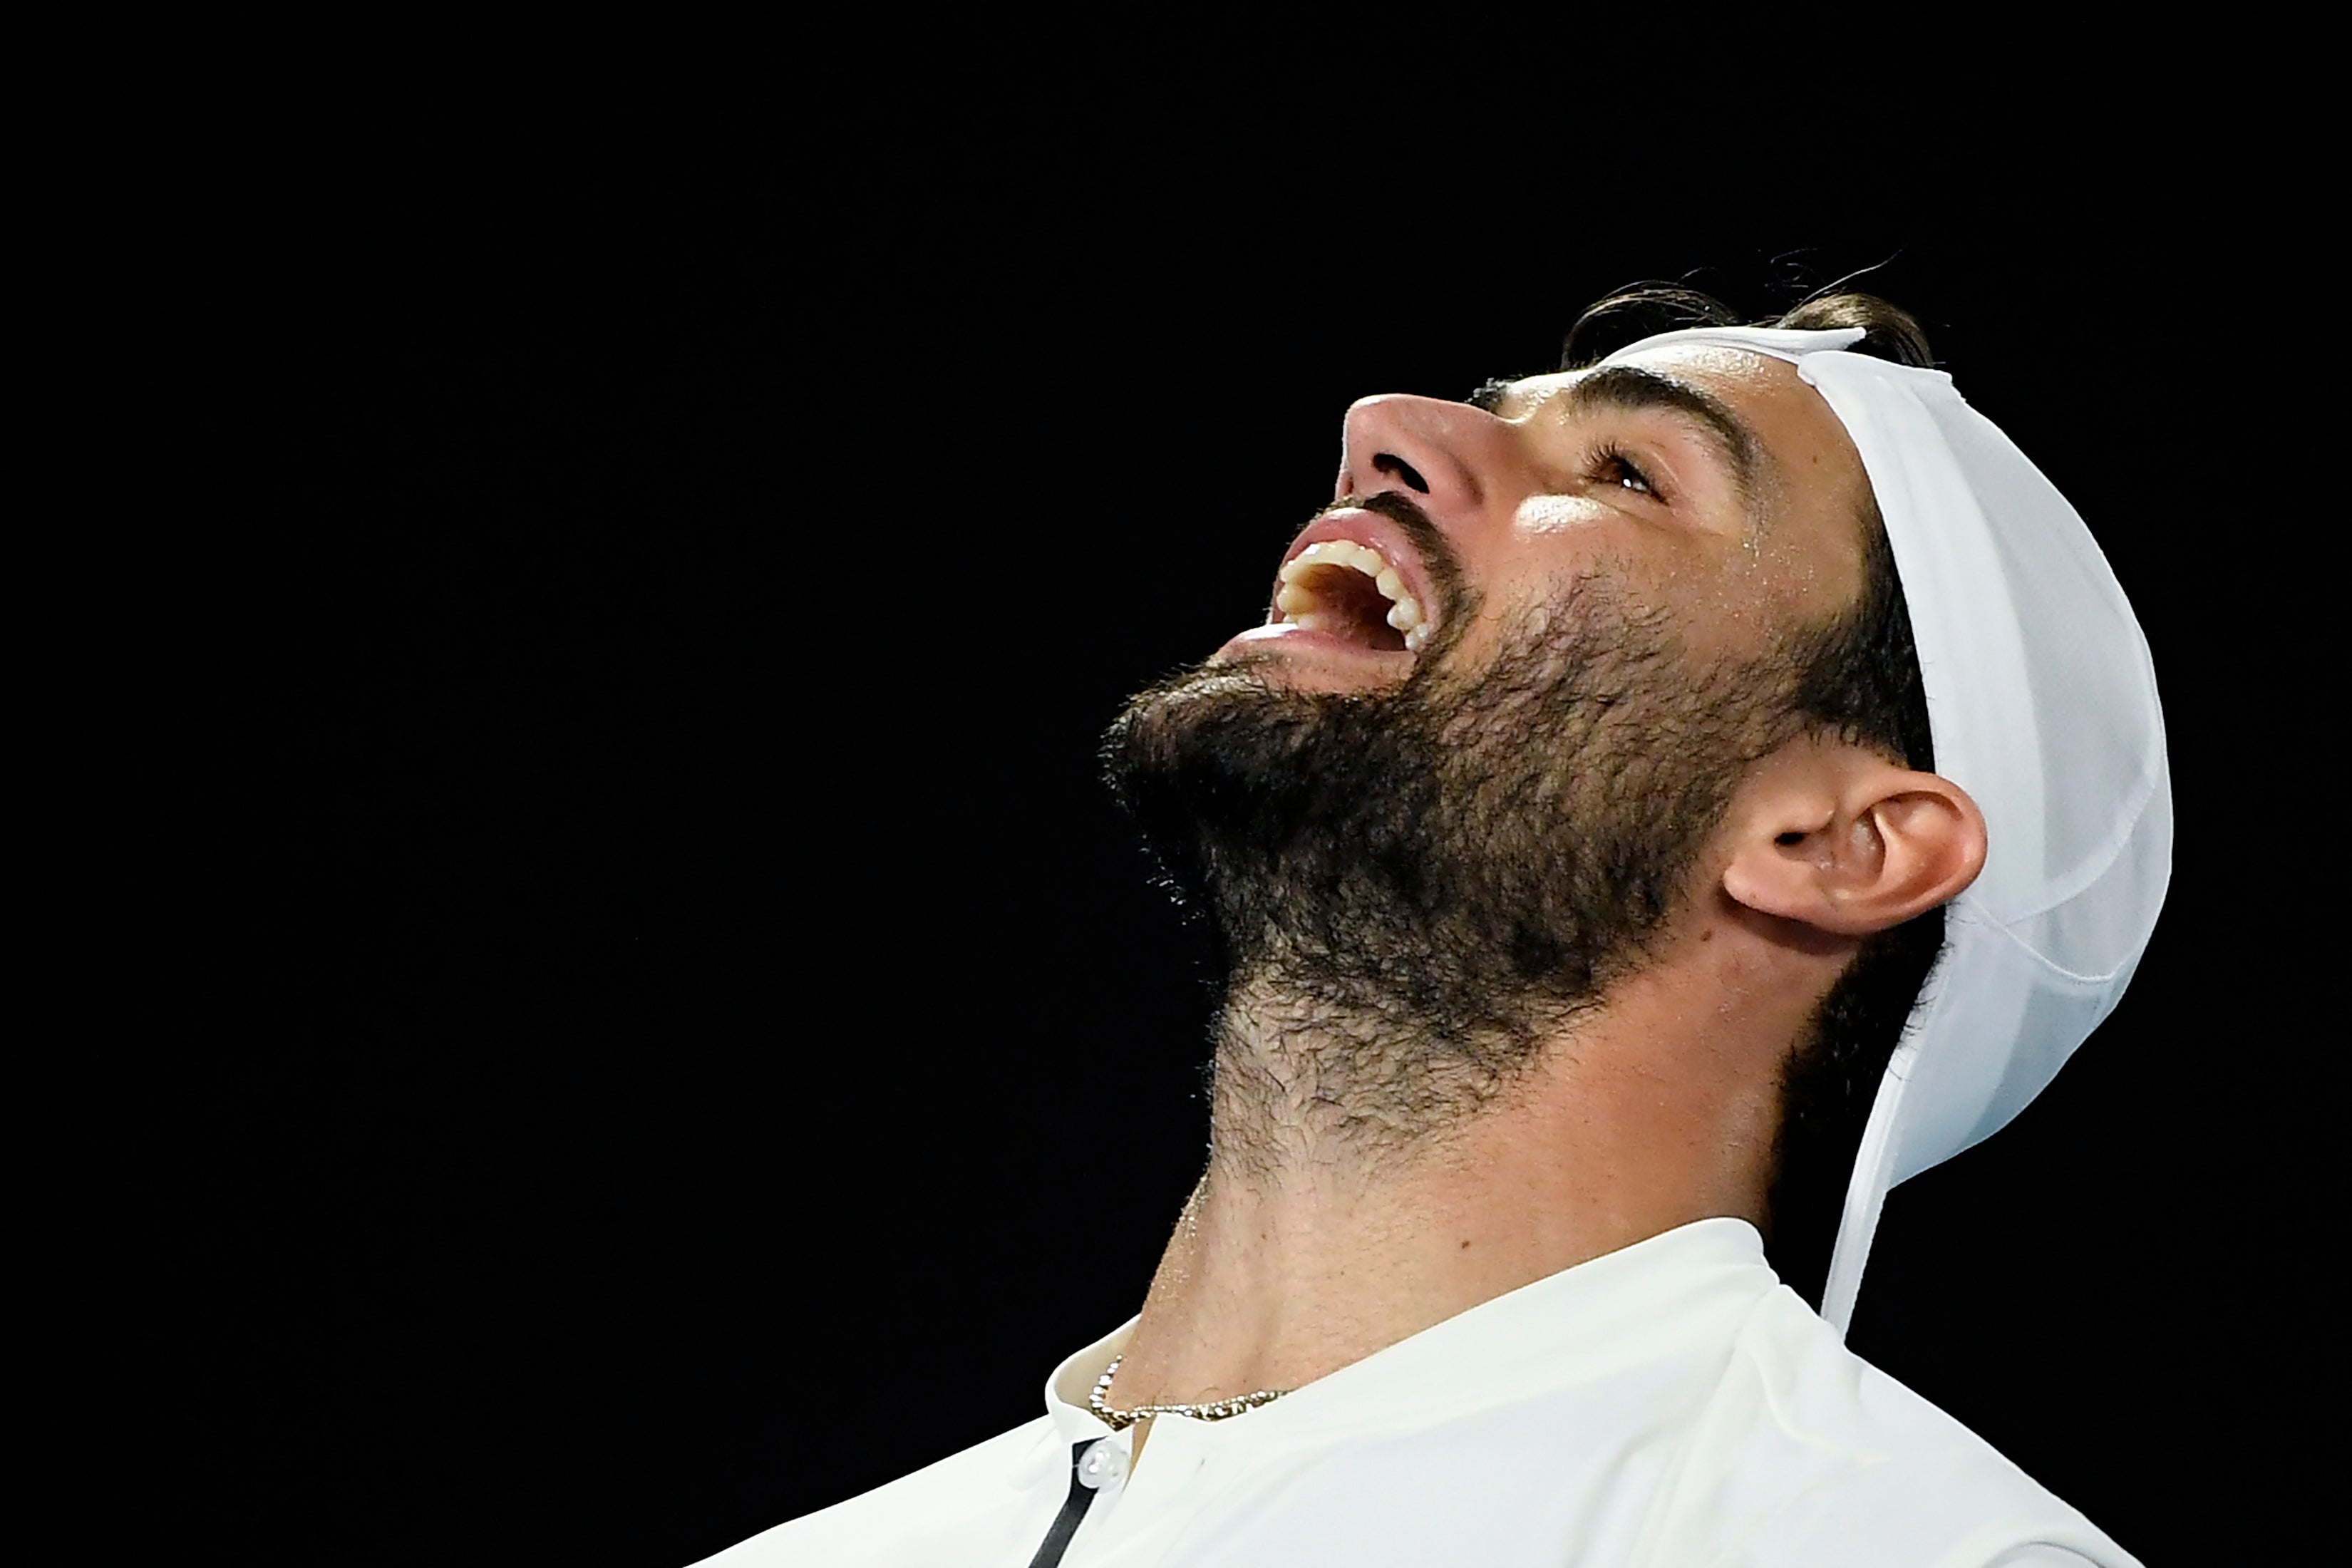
[(1611, 466)]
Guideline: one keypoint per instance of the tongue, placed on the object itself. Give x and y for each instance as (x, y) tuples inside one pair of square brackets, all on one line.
[(1351, 605)]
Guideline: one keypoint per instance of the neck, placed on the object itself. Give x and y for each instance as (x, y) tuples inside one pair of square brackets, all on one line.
[(1361, 1189)]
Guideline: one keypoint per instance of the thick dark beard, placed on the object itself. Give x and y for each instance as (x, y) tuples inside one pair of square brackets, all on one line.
[(1413, 889)]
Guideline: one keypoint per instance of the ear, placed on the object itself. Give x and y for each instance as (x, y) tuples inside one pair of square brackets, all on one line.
[(1842, 840)]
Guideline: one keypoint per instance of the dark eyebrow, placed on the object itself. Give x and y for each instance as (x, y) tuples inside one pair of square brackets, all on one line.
[(1629, 389)]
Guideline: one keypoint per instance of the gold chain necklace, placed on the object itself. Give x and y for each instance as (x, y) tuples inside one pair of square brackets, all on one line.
[(1099, 1401)]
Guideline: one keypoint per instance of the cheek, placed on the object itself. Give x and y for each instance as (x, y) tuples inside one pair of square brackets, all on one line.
[(1721, 597), (1547, 517), (1728, 620), (1808, 583), (1732, 606)]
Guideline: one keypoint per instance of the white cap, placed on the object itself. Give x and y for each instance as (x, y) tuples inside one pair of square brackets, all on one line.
[(2042, 705)]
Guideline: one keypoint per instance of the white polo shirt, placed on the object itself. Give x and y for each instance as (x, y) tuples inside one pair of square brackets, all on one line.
[(1671, 1403)]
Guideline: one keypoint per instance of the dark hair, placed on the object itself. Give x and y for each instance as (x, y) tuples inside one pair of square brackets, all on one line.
[(1858, 678)]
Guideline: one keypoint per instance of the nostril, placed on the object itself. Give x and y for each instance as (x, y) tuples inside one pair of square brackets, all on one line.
[(1401, 470)]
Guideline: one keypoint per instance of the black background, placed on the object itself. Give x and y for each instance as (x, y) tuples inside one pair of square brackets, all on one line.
[(657, 1029)]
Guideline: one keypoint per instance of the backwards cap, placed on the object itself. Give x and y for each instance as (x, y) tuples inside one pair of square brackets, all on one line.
[(2042, 706)]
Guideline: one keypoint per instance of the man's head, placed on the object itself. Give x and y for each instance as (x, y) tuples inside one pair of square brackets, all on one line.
[(1647, 656)]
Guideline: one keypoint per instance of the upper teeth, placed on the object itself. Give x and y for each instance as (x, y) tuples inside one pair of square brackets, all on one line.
[(1301, 606)]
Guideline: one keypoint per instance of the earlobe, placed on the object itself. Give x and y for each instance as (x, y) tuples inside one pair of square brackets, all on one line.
[(1859, 853)]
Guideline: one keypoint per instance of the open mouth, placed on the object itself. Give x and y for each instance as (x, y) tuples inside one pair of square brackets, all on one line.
[(1350, 590)]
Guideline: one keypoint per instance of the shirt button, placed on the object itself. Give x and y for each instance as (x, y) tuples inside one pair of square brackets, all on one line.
[(1104, 1464)]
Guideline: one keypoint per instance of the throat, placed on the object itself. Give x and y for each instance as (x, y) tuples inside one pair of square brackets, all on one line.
[(1331, 1079)]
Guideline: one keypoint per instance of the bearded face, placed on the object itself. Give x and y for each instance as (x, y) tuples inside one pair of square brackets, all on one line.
[(1441, 871)]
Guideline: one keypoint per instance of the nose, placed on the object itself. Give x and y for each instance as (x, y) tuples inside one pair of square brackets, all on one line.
[(1445, 455)]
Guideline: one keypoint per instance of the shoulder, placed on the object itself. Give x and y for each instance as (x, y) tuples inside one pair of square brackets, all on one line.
[(1809, 1455), (948, 1511)]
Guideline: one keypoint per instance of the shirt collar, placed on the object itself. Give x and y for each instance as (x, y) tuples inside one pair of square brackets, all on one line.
[(1686, 1286)]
